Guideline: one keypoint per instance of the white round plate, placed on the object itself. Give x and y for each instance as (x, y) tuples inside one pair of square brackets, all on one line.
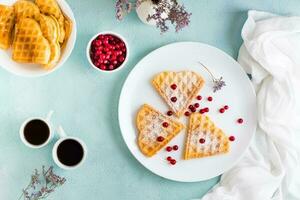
[(238, 94), (33, 70)]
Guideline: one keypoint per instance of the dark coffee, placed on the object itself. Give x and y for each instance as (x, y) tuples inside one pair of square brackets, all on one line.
[(36, 132), (70, 152)]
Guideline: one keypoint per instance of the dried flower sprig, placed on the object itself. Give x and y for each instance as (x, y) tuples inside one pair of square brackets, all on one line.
[(176, 13), (42, 184), (218, 83)]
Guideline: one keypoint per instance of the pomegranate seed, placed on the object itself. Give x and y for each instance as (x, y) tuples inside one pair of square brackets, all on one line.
[(202, 140), (187, 113), (196, 105), (170, 113), (209, 98), (232, 138), (206, 109), (240, 120), (222, 110), (168, 148), (173, 161), (191, 107), (175, 147), (174, 99), (174, 86), (202, 111), (165, 124), (160, 139), (169, 158), (226, 107), (199, 97)]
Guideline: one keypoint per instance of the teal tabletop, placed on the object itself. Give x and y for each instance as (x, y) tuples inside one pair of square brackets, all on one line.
[(85, 103)]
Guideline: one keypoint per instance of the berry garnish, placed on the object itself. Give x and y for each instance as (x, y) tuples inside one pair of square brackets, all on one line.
[(191, 106), (226, 107), (160, 139), (174, 86), (173, 161), (222, 110), (193, 109), (169, 158), (240, 120), (199, 97), (231, 138), (165, 124), (175, 147), (170, 113), (187, 113), (209, 98), (206, 109), (196, 105), (202, 140), (173, 99), (168, 148), (202, 111)]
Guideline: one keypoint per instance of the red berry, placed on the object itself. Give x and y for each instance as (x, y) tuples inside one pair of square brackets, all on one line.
[(196, 105), (199, 97), (226, 107), (170, 113), (168, 148), (165, 124), (160, 139), (240, 120), (169, 158), (174, 99), (174, 86), (187, 113), (202, 140), (232, 138), (209, 98), (202, 111), (173, 161), (206, 109), (175, 147), (222, 110), (193, 109)]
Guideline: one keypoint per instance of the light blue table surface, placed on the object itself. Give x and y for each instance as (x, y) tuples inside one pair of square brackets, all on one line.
[(85, 103)]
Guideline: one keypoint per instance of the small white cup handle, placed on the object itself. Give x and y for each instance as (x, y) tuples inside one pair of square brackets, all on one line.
[(49, 115), (61, 132)]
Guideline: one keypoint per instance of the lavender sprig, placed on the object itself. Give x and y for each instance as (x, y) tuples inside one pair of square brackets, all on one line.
[(123, 7), (42, 184), (218, 83)]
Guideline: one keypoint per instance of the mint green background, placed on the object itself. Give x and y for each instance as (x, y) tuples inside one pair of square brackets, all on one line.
[(85, 103)]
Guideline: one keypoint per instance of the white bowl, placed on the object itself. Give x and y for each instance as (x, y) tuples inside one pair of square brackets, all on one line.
[(33, 70), (107, 33)]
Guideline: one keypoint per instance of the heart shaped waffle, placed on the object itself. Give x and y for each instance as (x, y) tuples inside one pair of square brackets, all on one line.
[(7, 17), (29, 44), (204, 138), (188, 84), (151, 125), (26, 9)]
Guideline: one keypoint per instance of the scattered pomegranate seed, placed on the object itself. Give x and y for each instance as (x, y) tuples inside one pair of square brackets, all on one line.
[(202, 111), (168, 148), (174, 86), (222, 110), (187, 113), (175, 147), (202, 140), (174, 99), (191, 106), (173, 161), (199, 97), (206, 109), (165, 124), (209, 98), (160, 139), (170, 113), (196, 105), (232, 138), (240, 120), (193, 109), (169, 158), (226, 107)]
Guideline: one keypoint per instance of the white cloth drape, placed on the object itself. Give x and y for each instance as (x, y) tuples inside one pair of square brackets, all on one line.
[(270, 168)]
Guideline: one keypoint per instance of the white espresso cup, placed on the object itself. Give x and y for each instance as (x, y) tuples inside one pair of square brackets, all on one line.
[(68, 152), (36, 132)]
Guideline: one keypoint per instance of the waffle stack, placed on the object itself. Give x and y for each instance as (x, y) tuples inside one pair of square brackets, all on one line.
[(187, 83), (37, 31), (150, 126), (214, 140)]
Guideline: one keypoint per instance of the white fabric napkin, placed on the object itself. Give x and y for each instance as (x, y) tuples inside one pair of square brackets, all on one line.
[(270, 169)]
